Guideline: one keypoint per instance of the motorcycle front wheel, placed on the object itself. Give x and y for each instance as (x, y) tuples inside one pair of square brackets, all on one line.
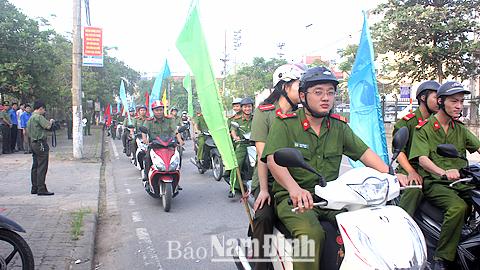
[(14, 252), (167, 196), (217, 167), (128, 151)]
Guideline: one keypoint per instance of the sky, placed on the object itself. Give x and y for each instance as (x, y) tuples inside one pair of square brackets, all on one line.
[(145, 31)]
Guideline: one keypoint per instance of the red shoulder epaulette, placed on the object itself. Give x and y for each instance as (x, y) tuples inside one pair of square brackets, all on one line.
[(137, 117), (168, 116), (266, 107), (231, 116), (339, 117), (200, 114), (408, 117), (286, 115), (421, 124), (237, 116), (148, 119), (458, 120)]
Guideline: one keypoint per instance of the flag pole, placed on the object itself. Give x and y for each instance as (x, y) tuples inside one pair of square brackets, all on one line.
[(244, 199)]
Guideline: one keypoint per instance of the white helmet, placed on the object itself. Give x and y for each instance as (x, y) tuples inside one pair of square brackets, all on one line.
[(237, 101), (288, 72)]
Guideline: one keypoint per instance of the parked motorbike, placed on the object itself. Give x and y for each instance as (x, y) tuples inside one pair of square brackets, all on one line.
[(14, 250), (372, 235), (211, 157), (430, 219), (164, 174)]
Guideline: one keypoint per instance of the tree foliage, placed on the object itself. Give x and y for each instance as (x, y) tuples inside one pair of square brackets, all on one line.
[(430, 39)]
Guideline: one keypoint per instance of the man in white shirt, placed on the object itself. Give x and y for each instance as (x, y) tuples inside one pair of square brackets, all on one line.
[(19, 113)]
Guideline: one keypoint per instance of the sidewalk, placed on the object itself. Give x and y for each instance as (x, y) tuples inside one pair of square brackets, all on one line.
[(47, 219)]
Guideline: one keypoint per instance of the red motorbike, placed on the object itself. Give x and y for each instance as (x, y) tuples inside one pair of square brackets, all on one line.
[(164, 173)]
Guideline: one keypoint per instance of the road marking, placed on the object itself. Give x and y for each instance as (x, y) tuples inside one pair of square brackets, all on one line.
[(131, 202), (136, 217), (128, 190), (146, 244), (115, 153)]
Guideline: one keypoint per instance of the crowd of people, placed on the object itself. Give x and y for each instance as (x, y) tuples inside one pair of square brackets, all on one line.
[(13, 123)]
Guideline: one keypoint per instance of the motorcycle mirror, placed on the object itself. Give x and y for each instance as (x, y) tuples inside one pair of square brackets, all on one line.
[(181, 129), (235, 124), (448, 150), (143, 129), (291, 157), (400, 139)]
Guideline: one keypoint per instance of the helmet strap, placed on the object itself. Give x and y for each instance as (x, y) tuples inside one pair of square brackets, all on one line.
[(285, 94), (442, 107), (426, 103), (311, 113)]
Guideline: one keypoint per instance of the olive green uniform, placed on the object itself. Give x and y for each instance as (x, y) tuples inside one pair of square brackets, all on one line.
[(126, 122), (86, 130), (69, 117), (245, 126), (137, 122), (324, 153), (157, 127), (36, 126), (264, 217), (453, 201), (5, 130), (410, 197), (177, 120), (201, 126), (229, 121)]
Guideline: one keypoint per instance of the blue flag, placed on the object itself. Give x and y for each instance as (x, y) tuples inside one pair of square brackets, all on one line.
[(157, 86), (118, 108), (133, 104), (123, 97), (365, 109)]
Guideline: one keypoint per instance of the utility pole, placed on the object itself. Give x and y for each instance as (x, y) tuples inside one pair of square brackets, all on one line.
[(236, 45), (77, 81), (280, 45), (225, 62)]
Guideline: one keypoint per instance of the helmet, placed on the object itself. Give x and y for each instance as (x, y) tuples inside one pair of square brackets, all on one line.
[(318, 74), (236, 101), (174, 108), (142, 106), (156, 104), (288, 72), (131, 109), (451, 88), (246, 101), (428, 85), (184, 112)]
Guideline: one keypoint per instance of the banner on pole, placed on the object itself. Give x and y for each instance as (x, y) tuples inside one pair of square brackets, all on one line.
[(405, 90), (92, 46)]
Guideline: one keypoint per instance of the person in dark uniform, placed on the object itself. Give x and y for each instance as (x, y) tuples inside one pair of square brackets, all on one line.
[(438, 172), (175, 117), (322, 138), (199, 126), (88, 116), (159, 124), (427, 101), (37, 130), (138, 121), (69, 120), (6, 124)]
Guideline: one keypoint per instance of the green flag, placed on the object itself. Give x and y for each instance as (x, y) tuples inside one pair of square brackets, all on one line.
[(187, 84), (192, 45)]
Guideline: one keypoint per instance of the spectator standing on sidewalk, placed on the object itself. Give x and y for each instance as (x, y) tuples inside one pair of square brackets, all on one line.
[(23, 122), (69, 121), (37, 129), (13, 127), (6, 124), (19, 113)]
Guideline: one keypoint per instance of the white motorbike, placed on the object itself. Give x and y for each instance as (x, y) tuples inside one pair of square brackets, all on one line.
[(373, 235)]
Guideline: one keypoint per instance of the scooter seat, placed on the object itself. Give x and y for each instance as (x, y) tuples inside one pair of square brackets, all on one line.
[(430, 210)]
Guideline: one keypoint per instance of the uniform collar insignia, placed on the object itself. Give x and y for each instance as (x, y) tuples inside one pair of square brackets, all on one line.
[(328, 124), (420, 120), (305, 124), (436, 125)]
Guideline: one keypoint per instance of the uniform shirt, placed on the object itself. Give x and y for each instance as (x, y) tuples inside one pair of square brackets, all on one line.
[(261, 125), (88, 116), (6, 115), (177, 120), (37, 127), (125, 121), (157, 127), (13, 116), (24, 119), (430, 134), (410, 121), (201, 124), (19, 113), (69, 116), (245, 125), (323, 152), (231, 118), (137, 121)]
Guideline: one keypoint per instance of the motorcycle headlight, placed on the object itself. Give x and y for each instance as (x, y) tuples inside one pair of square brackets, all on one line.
[(373, 190), (174, 162), (158, 162), (252, 161)]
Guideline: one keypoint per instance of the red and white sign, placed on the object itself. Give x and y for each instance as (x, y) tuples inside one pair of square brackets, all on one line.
[(92, 46)]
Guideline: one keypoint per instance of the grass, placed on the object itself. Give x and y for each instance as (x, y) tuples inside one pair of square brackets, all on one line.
[(77, 222)]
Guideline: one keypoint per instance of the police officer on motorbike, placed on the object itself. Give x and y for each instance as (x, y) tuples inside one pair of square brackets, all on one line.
[(127, 122), (138, 121)]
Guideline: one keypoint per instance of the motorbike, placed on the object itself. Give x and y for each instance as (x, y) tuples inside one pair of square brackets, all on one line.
[(430, 219), (211, 157), (119, 130), (139, 156), (186, 133), (14, 250), (164, 174), (370, 234), (248, 166)]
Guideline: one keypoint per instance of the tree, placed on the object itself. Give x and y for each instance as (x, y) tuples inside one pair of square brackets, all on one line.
[(430, 39)]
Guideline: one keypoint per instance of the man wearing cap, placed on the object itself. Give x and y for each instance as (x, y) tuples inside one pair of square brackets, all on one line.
[(6, 125), (37, 129), (439, 172)]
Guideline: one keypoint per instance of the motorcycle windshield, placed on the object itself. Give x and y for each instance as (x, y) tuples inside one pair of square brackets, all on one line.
[(163, 141)]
